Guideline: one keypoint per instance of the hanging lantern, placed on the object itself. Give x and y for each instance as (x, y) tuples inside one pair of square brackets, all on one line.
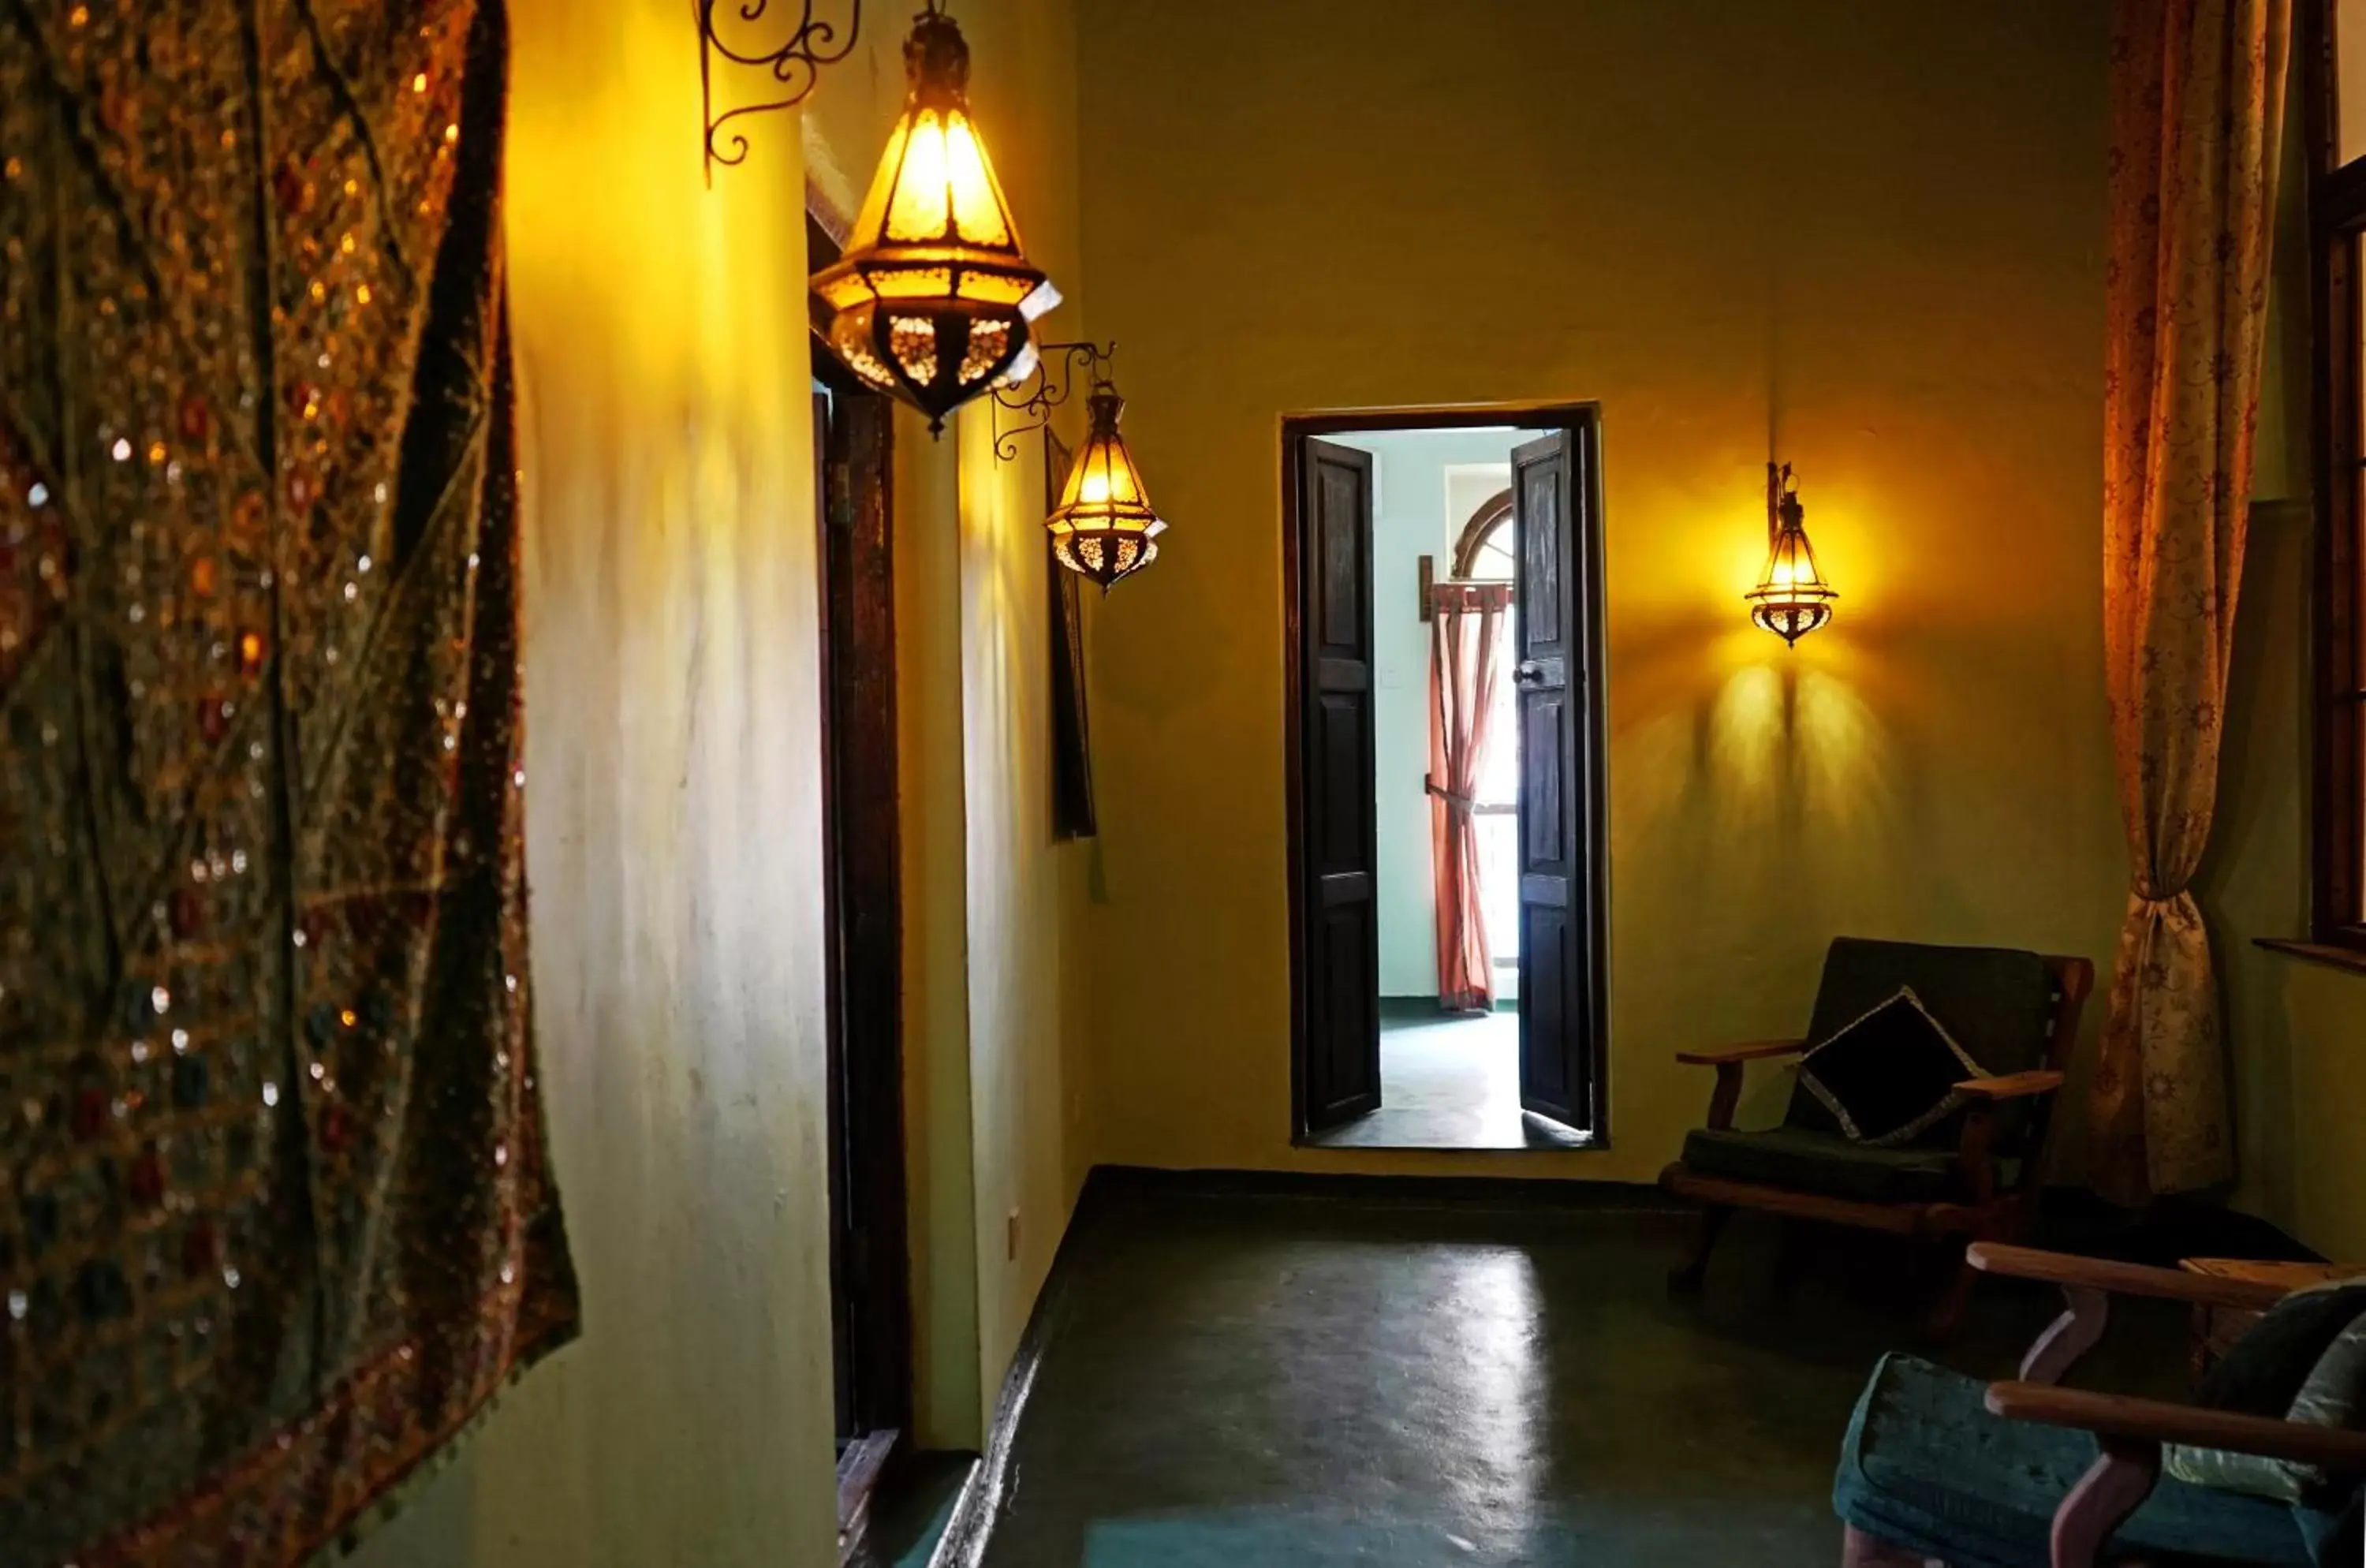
[(1103, 527), (932, 298), (1792, 598)]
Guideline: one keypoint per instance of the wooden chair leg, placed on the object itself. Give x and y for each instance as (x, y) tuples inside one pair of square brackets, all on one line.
[(1688, 1280), (1947, 1318), (2123, 1477), (2086, 1314), (1859, 1549)]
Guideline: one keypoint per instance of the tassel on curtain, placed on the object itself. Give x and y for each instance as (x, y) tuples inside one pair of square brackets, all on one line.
[(1467, 632), (2197, 104)]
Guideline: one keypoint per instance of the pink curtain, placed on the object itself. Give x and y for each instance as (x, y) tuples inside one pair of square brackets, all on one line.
[(1468, 624)]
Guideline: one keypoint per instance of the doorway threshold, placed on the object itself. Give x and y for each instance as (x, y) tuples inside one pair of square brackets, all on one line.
[(1395, 1128), (1450, 1082)]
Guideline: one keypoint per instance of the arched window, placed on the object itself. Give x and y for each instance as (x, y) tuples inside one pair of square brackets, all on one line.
[(1488, 549)]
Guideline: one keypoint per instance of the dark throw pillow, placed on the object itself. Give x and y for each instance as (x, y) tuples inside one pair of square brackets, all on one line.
[(1892, 1076)]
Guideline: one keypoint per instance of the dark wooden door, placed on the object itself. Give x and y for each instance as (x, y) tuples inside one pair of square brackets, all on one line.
[(1340, 979), (1552, 643)]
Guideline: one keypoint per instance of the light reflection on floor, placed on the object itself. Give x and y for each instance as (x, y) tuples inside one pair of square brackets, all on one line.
[(1317, 1379), (1450, 1083)]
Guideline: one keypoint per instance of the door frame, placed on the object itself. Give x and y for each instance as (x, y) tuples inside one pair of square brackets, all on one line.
[(871, 1306), (1583, 421)]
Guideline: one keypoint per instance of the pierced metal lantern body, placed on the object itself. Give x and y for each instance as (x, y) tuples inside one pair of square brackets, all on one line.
[(1103, 527), (1792, 598), (931, 300)]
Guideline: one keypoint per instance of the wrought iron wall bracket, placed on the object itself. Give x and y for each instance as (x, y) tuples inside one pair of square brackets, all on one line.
[(1055, 380), (794, 65)]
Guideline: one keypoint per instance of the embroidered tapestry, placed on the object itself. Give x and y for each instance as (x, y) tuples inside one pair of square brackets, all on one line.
[(275, 1215)]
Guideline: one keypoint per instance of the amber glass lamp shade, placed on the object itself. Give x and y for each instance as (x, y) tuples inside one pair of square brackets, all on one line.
[(1103, 527), (931, 299), (1792, 598)]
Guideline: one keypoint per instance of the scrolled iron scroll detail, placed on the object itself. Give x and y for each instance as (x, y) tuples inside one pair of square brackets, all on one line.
[(796, 65), (1055, 380)]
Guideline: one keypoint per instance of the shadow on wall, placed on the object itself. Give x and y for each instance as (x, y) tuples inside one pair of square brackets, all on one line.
[(1785, 797)]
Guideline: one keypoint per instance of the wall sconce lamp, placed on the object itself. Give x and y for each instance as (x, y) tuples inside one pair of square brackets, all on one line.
[(795, 67), (932, 299), (1792, 598), (1103, 527)]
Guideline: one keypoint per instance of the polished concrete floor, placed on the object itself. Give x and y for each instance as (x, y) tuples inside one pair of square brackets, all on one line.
[(1233, 1381), (1450, 1082)]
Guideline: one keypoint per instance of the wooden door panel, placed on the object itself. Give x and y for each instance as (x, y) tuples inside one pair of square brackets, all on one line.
[(1339, 1031), (1543, 721), (1541, 494), (1342, 745), (1544, 933), (1557, 1007), (1345, 584), (1350, 1079)]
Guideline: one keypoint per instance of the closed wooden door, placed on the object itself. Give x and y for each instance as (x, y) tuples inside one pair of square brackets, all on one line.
[(1340, 979), (1553, 644)]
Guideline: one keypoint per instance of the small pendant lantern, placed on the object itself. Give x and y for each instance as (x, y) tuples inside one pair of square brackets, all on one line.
[(1103, 527), (931, 300), (1792, 598)]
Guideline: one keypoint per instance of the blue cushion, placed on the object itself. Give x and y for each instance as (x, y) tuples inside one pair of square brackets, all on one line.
[(1927, 1468)]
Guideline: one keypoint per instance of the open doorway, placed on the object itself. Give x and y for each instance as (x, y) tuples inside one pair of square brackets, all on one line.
[(1445, 801)]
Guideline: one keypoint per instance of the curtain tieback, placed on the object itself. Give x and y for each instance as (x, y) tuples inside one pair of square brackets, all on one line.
[(1453, 799)]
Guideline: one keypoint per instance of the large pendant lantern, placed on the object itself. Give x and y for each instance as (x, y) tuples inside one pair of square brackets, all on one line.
[(1103, 527), (1792, 598), (932, 298)]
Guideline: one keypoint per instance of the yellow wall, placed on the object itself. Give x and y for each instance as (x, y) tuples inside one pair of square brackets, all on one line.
[(2293, 1026), (1326, 206), (674, 834), (993, 1033)]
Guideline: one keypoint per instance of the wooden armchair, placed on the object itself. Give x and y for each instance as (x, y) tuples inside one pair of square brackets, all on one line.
[(1938, 1469), (2016, 1013)]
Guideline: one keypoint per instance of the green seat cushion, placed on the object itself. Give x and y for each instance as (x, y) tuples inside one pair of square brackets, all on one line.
[(1927, 1468), (1998, 1003), (1799, 1160)]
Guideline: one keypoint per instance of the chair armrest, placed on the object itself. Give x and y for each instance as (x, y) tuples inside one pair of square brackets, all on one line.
[(2017, 1086), (2156, 1421), (1748, 1051), (2124, 1278)]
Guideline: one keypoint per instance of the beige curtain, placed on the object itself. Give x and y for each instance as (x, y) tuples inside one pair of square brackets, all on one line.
[(2197, 102)]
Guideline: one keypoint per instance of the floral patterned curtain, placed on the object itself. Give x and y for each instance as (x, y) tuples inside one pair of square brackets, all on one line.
[(276, 1216), (2197, 107), (1468, 621)]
